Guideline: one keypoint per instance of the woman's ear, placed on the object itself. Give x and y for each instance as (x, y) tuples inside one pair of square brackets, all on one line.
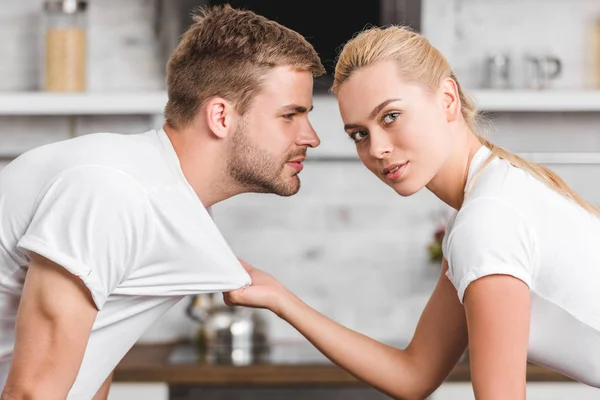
[(219, 114), (451, 99)]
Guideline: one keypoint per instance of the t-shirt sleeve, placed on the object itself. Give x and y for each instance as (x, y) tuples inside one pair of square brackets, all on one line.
[(489, 237), (92, 221)]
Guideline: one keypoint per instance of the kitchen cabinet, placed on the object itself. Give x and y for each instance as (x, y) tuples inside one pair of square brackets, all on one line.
[(142, 390), (535, 391), (171, 371), (448, 391)]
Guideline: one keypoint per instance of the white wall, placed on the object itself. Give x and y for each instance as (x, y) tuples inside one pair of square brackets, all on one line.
[(466, 31), (346, 243), (122, 54)]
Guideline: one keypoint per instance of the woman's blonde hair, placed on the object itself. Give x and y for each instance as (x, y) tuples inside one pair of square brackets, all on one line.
[(420, 62)]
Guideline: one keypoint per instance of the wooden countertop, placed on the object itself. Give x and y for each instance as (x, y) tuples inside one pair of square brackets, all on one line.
[(150, 363)]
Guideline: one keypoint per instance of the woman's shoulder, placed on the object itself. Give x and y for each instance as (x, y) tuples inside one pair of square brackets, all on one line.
[(490, 212), (502, 185)]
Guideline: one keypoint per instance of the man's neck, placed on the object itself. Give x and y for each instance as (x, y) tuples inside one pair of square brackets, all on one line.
[(203, 163)]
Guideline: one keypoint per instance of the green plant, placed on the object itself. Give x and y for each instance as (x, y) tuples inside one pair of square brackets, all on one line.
[(435, 247)]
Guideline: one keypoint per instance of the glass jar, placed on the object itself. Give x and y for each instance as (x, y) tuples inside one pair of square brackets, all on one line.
[(65, 45)]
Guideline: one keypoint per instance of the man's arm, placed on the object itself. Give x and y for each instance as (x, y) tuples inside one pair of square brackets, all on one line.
[(55, 317)]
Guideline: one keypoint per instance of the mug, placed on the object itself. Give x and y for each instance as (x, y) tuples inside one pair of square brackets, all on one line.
[(497, 71), (540, 71)]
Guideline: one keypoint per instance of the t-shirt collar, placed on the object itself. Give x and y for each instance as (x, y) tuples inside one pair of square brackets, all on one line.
[(478, 159)]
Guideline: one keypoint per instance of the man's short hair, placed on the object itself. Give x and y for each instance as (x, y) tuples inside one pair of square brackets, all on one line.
[(226, 52)]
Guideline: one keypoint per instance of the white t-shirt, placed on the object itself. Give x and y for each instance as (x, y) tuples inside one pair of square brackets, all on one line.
[(512, 223), (116, 211)]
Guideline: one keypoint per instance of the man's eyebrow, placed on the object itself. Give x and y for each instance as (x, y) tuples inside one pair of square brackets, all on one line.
[(296, 108)]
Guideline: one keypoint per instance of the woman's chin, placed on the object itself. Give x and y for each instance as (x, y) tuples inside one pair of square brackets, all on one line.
[(405, 189)]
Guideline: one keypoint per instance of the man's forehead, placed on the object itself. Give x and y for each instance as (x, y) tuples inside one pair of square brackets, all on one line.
[(286, 97), (286, 87)]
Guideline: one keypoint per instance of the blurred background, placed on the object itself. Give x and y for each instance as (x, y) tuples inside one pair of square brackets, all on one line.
[(346, 243)]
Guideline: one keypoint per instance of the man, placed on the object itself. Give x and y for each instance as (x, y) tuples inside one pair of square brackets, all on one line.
[(102, 234)]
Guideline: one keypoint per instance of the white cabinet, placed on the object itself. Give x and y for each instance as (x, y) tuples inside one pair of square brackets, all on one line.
[(561, 391), (453, 391), (145, 391), (448, 391), (535, 391)]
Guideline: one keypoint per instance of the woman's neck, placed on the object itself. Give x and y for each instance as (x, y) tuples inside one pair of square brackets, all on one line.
[(450, 181)]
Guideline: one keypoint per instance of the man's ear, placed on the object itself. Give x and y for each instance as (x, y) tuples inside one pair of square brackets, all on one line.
[(219, 114), (449, 89)]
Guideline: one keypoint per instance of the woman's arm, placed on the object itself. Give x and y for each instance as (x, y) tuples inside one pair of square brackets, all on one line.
[(498, 309), (414, 373)]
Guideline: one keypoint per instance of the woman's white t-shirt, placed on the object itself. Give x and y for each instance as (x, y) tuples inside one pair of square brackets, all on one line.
[(116, 211), (512, 223)]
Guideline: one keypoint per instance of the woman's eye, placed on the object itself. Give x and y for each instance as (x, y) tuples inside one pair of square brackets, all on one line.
[(389, 118), (358, 136)]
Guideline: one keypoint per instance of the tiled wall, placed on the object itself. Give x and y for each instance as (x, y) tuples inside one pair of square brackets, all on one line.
[(346, 243), (467, 31), (121, 46)]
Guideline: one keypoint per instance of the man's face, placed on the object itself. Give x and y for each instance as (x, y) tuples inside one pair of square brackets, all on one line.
[(270, 141)]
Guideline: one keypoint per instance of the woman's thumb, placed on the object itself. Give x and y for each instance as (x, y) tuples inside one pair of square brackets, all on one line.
[(233, 297)]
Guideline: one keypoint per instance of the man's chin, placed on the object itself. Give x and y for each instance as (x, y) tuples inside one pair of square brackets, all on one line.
[(284, 187), (289, 188)]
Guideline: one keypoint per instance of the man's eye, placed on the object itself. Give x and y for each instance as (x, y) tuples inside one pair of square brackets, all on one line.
[(289, 116)]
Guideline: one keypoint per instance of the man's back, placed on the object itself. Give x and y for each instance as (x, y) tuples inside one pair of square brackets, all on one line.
[(116, 226), (117, 212)]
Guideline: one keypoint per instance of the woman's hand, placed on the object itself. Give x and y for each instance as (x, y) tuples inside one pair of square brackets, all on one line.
[(264, 292)]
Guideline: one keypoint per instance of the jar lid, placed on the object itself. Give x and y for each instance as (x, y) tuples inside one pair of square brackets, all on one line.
[(65, 6)]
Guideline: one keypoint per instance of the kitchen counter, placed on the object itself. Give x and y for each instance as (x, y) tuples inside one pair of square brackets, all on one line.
[(165, 363)]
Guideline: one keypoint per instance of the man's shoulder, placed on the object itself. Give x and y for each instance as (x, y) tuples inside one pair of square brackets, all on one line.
[(123, 152)]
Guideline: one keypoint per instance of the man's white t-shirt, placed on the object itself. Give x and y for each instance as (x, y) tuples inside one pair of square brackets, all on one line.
[(116, 211), (514, 224)]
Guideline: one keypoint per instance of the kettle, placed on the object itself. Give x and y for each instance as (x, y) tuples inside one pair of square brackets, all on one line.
[(227, 334)]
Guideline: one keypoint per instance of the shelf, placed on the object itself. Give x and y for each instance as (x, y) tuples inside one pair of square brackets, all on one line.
[(537, 101), (109, 103), (538, 158), (153, 102), (549, 158), (562, 158)]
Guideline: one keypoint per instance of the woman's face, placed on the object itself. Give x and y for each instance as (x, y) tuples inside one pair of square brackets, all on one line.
[(402, 131)]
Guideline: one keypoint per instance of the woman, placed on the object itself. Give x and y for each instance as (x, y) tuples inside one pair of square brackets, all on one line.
[(521, 274)]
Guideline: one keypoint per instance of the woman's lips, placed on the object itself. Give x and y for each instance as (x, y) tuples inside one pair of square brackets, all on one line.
[(394, 172)]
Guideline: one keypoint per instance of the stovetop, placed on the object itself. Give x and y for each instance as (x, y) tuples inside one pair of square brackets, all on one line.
[(281, 353)]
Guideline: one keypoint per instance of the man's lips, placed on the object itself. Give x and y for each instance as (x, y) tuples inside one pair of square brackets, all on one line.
[(296, 163)]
